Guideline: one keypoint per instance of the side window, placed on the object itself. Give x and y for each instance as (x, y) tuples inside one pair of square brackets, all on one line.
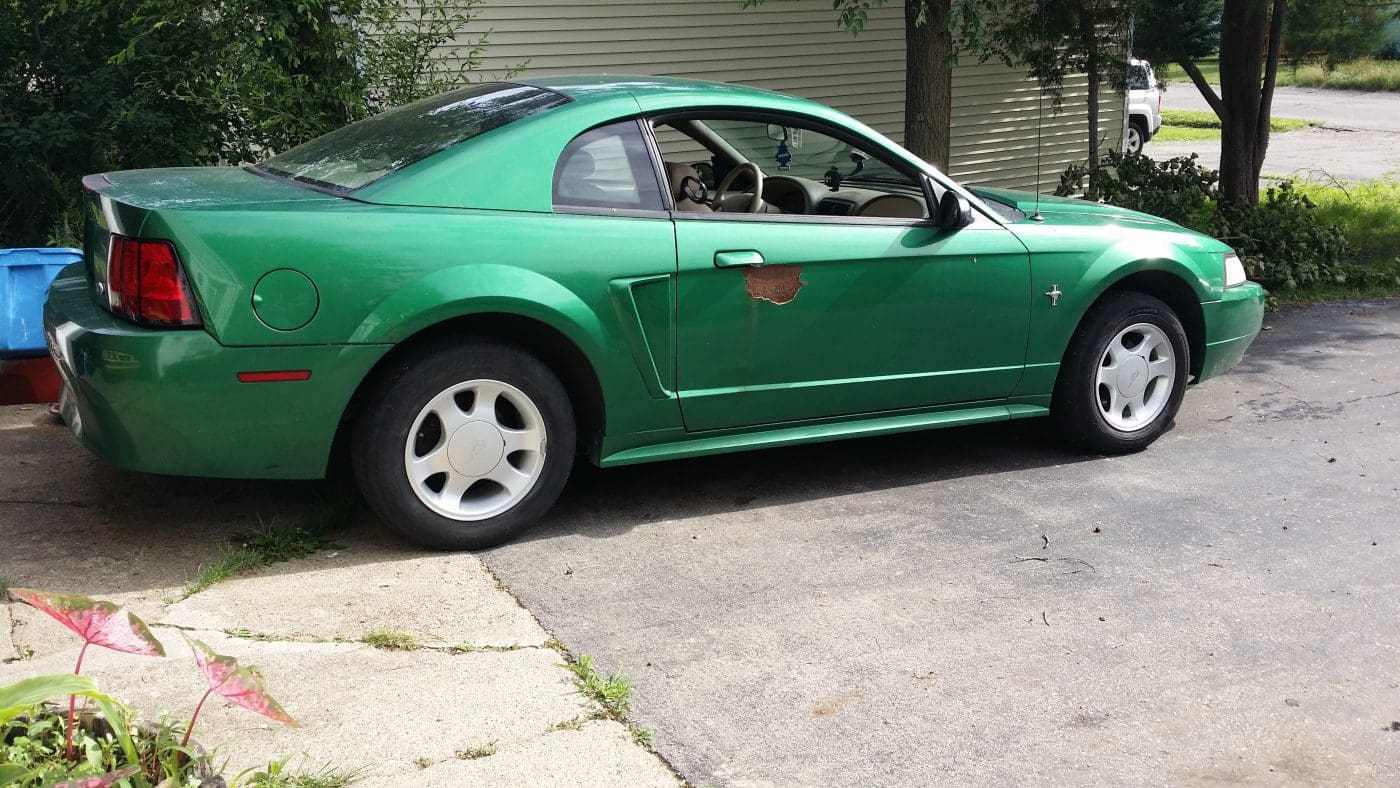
[(607, 167)]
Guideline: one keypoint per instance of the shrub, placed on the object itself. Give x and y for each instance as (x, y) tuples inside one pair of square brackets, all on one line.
[(101, 85), (1283, 241)]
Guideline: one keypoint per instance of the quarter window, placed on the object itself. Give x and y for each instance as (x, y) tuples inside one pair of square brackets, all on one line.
[(607, 167)]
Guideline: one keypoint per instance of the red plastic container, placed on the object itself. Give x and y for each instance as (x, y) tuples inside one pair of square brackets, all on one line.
[(29, 380)]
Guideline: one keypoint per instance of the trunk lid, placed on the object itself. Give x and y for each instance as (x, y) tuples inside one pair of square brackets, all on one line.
[(121, 203)]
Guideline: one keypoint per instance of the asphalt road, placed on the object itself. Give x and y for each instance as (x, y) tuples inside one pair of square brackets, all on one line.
[(974, 606), (1360, 138)]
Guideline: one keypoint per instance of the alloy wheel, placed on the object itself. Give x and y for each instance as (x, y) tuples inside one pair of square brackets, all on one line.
[(475, 450), (1135, 377)]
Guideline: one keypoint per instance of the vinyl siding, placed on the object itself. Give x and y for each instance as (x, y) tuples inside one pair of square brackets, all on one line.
[(796, 47)]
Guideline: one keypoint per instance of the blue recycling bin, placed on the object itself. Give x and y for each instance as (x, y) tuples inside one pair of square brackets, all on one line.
[(25, 276)]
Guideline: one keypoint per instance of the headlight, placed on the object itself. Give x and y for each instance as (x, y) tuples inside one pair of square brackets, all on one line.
[(1234, 270)]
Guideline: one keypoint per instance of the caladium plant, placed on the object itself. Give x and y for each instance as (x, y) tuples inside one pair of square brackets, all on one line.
[(239, 685), (105, 624), (97, 623)]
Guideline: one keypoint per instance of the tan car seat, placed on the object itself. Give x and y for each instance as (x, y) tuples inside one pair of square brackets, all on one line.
[(676, 174)]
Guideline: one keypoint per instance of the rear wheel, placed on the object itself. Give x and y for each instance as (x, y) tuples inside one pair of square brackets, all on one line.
[(1123, 378), (464, 444)]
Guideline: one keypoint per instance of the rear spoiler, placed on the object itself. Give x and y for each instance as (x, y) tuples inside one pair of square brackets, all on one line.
[(96, 182)]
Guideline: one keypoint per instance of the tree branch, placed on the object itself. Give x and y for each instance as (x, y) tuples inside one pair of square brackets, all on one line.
[(1266, 95), (1207, 92)]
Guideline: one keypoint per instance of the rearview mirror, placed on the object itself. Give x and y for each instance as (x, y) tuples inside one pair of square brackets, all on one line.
[(777, 133)]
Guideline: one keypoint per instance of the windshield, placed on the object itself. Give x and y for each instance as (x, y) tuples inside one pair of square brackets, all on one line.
[(363, 152)]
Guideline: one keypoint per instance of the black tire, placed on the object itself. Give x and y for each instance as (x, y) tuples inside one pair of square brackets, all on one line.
[(1076, 405), (394, 403), (1138, 128)]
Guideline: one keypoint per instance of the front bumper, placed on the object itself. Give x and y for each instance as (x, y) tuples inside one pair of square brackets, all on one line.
[(169, 401), (1232, 323)]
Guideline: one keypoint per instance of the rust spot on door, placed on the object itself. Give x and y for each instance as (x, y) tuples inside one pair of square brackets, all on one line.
[(776, 284)]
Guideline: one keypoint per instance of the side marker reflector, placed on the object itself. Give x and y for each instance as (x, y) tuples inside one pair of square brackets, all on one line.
[(277, 376)]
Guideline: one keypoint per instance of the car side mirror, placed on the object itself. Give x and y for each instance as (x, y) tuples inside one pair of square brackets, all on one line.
[(954, 211)]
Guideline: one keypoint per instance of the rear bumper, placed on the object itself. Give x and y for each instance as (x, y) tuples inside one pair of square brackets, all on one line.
[(1232, 323), (170, 402)]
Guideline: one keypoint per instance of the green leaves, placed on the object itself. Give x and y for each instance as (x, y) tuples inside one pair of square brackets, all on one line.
[(24, 695)]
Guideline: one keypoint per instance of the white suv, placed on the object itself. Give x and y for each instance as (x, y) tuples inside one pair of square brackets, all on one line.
[(1144, 106)]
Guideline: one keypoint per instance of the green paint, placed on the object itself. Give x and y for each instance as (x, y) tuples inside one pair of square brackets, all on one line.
[(285, 299), (846, 329)]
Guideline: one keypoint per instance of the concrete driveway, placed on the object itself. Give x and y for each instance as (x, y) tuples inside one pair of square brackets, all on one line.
[(1360, 139), (474, 694), (976, 607)]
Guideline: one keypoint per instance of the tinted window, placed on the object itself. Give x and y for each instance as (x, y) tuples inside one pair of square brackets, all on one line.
[(361, 153), (608, 167), (1137, 78)]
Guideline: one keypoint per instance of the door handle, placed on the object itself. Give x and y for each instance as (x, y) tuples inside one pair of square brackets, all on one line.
[(747, 257)]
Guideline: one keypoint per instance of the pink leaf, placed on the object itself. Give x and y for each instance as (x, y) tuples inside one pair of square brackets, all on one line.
[(240, 685), (101, 781), (100, 623)]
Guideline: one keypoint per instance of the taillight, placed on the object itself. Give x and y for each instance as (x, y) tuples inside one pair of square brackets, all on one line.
[(145, 283)]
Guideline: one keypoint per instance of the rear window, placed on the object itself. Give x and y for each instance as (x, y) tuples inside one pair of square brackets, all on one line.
[(363, 152)]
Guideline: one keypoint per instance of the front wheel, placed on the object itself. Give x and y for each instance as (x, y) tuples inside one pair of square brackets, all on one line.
[(1123, 378), (464, 444)]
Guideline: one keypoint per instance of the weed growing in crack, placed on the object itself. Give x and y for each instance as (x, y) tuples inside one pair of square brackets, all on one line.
[(277, 775), (613, 692), (390, 640), (477, 751), (567, 725), (640, 736)]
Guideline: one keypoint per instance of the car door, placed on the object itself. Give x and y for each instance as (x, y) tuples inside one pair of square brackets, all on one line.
[(783, 318)]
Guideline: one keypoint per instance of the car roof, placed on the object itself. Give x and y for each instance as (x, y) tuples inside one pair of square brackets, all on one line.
[(591, 87)]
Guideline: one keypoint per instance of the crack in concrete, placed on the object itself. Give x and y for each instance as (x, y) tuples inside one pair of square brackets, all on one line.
[(267, 637)]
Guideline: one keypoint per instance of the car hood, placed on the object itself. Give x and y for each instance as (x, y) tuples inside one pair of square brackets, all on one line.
[(1069, 210), (202, 187)]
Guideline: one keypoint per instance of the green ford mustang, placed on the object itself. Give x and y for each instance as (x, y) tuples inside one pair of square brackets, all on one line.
[(470, 290)]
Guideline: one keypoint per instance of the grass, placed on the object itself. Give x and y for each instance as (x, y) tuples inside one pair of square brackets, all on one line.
[(477, 751), (1369, 214), (1363, 74), (1184, 134), (270, 544), (1190, 125), (1172, 73), (391, 640)]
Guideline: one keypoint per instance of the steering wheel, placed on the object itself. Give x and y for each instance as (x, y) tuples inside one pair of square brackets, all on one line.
[(756, 203)]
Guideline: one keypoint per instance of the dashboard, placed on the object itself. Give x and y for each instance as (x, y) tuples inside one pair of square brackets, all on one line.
[(789, 194)]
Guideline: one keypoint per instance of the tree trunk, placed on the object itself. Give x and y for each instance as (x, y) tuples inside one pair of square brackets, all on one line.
[(1091, 66), (928, 82), (1243, 29)]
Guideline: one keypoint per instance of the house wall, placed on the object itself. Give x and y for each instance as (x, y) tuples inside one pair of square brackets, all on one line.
[(796, 47)]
